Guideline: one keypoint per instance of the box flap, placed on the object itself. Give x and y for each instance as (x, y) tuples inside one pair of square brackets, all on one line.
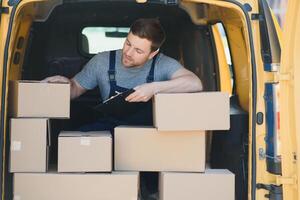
[(47, 158), (36, 81), (136, 127), (207, 171), (48, 133), (218, 171), (85, 134)]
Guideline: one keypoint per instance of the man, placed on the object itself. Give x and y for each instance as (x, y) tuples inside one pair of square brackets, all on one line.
[(138, 65)]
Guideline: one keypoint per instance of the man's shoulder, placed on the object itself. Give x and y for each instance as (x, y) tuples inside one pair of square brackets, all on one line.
[(99, 62), (166, 60), (103, 55), (166, 67)]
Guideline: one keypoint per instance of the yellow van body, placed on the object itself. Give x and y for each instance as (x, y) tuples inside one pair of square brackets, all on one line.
[(241, 20)]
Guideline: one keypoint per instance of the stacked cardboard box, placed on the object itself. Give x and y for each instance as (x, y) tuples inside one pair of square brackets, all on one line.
[(175, 147), (146, 149), (30, 141), (37, 99), (85, 152), (32, 104), (212, 185), (75, 186), (191, 112)]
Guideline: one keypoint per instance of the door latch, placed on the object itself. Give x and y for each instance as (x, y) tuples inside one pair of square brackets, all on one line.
[(4, 10)]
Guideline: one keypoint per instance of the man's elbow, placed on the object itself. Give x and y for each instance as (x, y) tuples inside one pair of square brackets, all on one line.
[(197, 84), (76, 90), (73, 94)]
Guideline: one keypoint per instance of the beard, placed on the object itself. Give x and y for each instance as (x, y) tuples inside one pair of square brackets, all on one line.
[(127, 61)]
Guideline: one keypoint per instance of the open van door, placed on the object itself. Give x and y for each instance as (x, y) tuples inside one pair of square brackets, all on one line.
[(289, 99), (5, 13), (2, 9)]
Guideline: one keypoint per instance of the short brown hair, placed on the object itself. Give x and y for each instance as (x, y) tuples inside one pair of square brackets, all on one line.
[(150, 29)]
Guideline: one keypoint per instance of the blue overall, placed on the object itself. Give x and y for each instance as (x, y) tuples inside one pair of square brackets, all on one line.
[(142, 117)]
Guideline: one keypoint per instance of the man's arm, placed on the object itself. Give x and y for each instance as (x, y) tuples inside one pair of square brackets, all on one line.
[(182, 80), (76, 89)]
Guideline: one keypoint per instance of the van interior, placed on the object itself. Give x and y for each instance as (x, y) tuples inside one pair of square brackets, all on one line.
[(56, 42)]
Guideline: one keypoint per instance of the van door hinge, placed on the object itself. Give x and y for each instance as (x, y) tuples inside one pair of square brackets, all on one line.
[(257, 16), (4, 10), (275, 192)]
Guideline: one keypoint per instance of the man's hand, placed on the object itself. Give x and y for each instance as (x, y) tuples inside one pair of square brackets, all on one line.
[(143, 93), (76, 89), (56, 79)]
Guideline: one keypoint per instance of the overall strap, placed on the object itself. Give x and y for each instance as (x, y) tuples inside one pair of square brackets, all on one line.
[(112, 72), (150, 77)]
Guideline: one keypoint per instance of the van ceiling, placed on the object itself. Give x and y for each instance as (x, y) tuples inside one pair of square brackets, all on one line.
[(117, 13), (61, 29)]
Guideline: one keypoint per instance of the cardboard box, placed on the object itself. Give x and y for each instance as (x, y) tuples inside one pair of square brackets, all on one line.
[(146, 149), (36, 99), (214, 184), (76, 186), (191, 111), (29, 145), (85, 151)]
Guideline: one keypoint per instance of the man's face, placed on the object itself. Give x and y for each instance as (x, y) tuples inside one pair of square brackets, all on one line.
[(136, 51)]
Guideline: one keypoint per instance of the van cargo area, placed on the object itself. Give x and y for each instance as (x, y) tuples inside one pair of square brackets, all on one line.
[(51, 42)]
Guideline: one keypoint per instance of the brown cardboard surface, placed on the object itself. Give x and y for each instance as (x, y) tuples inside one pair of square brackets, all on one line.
[(191, 111), (214, 184), (146, 149), (28, 144), (36, 99), (75, 186), (85, 151)]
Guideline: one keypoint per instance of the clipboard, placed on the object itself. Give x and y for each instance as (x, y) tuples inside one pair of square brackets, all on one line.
[(119, 97), (118, 107)]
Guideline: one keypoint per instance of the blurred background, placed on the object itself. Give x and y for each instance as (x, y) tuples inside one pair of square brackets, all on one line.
[(279, 8)]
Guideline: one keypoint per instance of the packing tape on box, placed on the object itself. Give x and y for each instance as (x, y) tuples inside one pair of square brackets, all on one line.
[(16, 145), (85, 141)]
